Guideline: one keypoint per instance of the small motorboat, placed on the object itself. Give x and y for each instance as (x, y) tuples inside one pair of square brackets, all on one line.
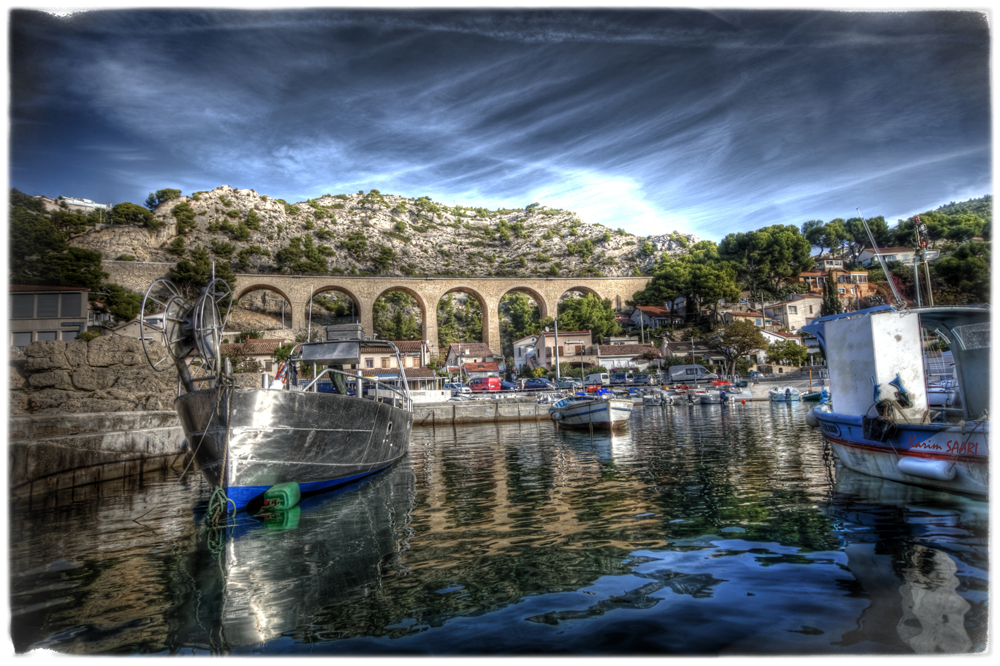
[(601, 410), (944, 394), (784, 394), (657, 398)]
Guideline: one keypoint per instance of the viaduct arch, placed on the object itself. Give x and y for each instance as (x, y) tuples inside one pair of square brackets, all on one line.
[(298, 289)]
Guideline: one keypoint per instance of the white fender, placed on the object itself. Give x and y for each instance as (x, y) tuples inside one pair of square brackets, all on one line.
[(557, 415), (939, 470)]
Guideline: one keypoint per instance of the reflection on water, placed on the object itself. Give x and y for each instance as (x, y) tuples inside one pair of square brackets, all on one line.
[(697, 530)]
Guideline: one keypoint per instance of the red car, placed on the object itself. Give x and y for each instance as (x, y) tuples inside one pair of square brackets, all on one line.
[(484, 384)]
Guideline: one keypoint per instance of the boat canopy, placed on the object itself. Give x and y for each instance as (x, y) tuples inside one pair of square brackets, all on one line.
[(331, 353)]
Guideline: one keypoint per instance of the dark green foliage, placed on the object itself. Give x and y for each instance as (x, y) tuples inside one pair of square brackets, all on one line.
[(39, 253), (130, 214), (324, 234), (301, 256), (225, 201), (395, 316), (964, 277), (176, 247), (192, 275), (87, 336), (240, 233), (125, 257), (253, 220), (222, 249), (291, 210), (71, 223), (357, 244), (243, 258), (386, 256), (156, 198), (736, 341), (123, 304), (766, 257), (184, 215), (588, 313), (831, 302), (233, 213)]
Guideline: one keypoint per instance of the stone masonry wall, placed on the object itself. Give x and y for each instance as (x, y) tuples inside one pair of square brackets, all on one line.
[(107, 374)]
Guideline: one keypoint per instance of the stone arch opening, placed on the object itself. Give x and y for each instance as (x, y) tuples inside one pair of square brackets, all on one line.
[(399, 313), (332, 304), (263, 308), (521, 310), (461, 317)]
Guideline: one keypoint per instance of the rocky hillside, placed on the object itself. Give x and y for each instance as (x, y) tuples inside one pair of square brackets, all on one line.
[(366, 233)]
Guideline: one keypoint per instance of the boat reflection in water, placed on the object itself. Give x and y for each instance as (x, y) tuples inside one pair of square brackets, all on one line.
[(273, 576), (914, 585)]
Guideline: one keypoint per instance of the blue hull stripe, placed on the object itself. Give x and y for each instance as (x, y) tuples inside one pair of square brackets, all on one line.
[(243, 495)]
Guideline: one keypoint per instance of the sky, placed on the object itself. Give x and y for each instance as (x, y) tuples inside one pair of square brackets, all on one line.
[(653, 120)]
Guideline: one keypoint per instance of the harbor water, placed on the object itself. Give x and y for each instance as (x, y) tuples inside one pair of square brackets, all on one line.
[(698, 530)]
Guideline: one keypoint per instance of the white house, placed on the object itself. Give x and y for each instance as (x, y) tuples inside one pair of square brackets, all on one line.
[(523, 350), (904, 254), (624, 357), (796, 312)]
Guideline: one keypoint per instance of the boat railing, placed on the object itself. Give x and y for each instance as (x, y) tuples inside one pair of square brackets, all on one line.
[(405, 400)]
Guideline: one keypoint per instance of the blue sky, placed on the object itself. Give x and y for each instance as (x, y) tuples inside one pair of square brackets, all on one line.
[(653, 120)]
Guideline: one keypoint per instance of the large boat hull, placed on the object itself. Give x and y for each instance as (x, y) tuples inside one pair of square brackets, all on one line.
[(247, 440), (599, 414), (941, 456)]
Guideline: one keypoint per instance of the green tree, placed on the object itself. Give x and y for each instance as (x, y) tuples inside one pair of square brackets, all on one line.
[(385, 257), (518, 319), (191, 275), (185, 217), (588, 313), (964, 276), (301, 256), (123, 304), (130, 214), (711, 283), (831, 300), (156, 198), (787, 352), (858, 239), (176, 247), (765, 257), (736, 341)]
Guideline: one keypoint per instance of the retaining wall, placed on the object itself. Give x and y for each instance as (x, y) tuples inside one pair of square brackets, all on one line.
[(49, 452)]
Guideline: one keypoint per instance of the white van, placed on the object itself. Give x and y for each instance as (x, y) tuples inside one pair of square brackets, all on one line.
[(597, 379), (690, 373)]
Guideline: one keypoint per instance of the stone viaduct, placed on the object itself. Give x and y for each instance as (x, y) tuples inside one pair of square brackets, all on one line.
[(297, 290)]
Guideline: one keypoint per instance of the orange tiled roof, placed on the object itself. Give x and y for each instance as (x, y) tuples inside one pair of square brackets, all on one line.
[(36, 287), (625, 350), (252, 347)]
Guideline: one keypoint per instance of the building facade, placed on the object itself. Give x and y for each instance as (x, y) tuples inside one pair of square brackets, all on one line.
[(46, 313)]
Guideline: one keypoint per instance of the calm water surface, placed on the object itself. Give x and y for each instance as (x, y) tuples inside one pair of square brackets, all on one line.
[(699, 530)]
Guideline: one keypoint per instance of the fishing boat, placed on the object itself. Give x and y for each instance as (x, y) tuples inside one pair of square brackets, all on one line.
[(815, 396), (268, 446), (784, 394), (879, 421), (599, 410)]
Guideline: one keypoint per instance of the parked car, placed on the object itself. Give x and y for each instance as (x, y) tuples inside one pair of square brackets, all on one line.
[(621, 378), (568, 383), (507, 386), (481, 384), (538, 385), (456, 388), (690, 374), (642, 380)]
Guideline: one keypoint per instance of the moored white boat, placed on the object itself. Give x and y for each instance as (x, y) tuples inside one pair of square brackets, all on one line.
[(600, 410), (268, 446), (784, 394), (656, 398), (880, 421)]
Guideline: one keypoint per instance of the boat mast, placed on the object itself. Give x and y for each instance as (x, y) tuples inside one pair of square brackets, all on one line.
[(881, 260)]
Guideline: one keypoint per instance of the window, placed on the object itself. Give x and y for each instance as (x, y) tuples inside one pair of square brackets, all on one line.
[(48, 335), (519, 350), (756, 322), (385, 363), (840, 291), (369, 363), (267, 366), (69, 305), (23, 338), (810, 309), (22, 306), (70, 335), (792, 309), (48, 305)]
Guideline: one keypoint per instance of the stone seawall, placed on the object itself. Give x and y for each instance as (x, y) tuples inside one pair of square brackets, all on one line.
[(479, 411), (50, 452), (107, 374)]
